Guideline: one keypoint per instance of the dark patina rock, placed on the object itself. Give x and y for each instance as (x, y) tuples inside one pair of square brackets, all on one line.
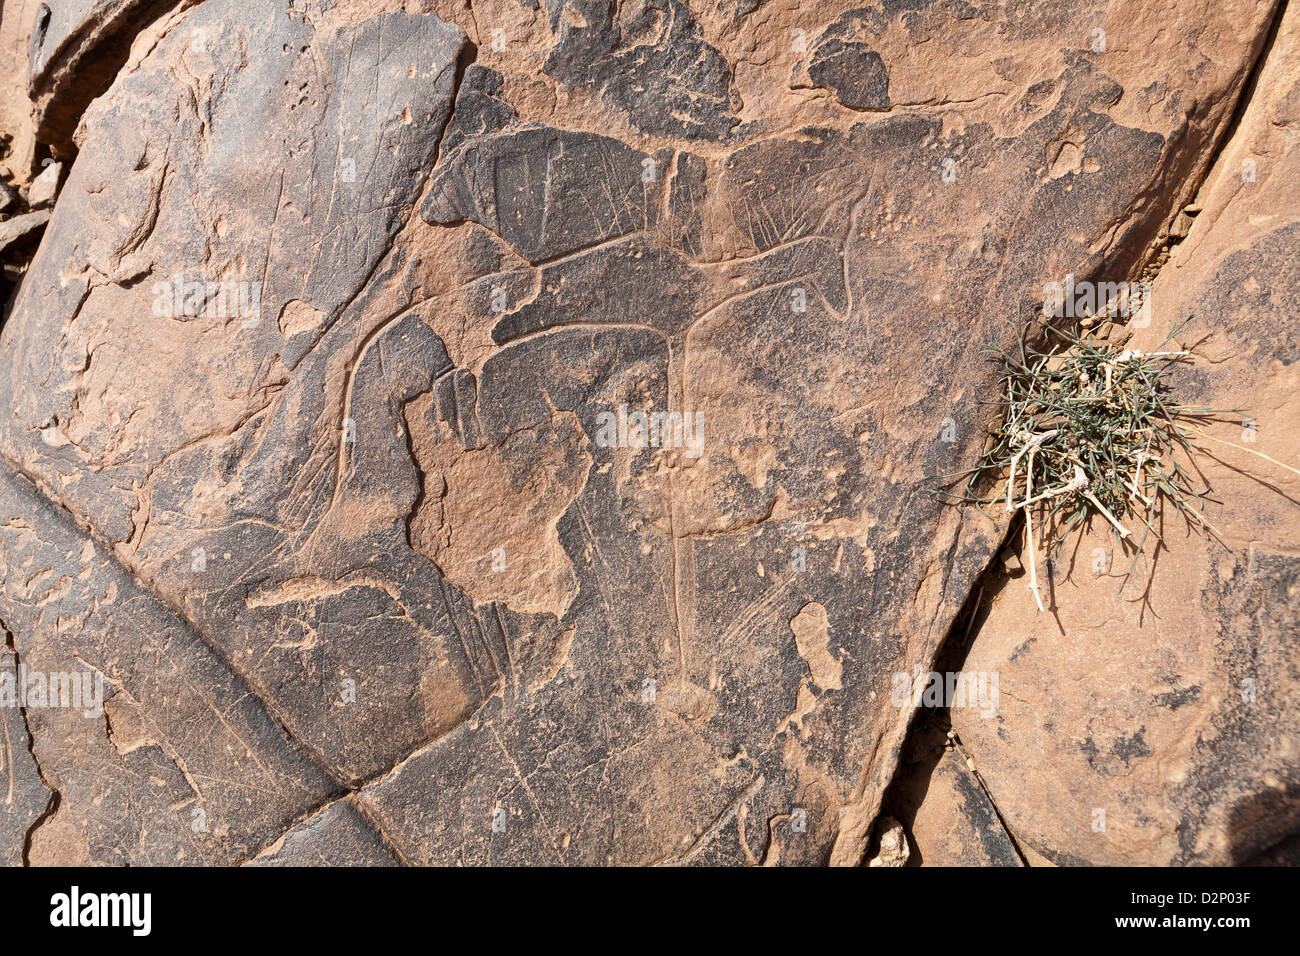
[(337, 835), (850, 67), (649, 60), (361, 485)]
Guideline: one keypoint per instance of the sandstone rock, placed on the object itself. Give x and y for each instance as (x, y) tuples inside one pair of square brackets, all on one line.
[(334, 836), (23, 794), (1286, 853), (1160, 726), (158, 752), (649, 60), (45, 186), (893, 844), (841, 62), (76, 49), (941, 804), (333, 344), (21, 228), (957, 825), (16, 19)]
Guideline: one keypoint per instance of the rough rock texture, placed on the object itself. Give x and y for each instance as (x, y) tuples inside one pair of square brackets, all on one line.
[(359, 488), (943, 807), (16, 19), (335, 836), (958, 823), (24, 797), (181, 763), (76, 48), (893, 849), (1162, 727), (21, 227)]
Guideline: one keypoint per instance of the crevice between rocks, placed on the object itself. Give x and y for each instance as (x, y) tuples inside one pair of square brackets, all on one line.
[(929, 735), (1248, 89), (988, 794), (1182, 174), (466, 58)]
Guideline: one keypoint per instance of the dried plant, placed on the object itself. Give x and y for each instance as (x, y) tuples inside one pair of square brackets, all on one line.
[(1090, 431)]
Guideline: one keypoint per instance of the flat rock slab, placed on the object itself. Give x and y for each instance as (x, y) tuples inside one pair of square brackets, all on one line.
[(340, 345), (22, 227)]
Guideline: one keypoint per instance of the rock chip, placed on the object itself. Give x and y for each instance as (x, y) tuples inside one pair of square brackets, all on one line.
[(893, 849), (45, 186)]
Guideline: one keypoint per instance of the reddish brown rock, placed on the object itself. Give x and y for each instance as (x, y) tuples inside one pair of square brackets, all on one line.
[(1160, 726), (380, 465), (943, 806), (16, 18)]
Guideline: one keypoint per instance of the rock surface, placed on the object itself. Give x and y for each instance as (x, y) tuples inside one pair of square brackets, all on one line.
[(16, 19), (1162, 726), (172, 749), (943, 807), (318, 404), (24, 797), (337, 835), (21, 227), (76, 48), (893, 849)]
